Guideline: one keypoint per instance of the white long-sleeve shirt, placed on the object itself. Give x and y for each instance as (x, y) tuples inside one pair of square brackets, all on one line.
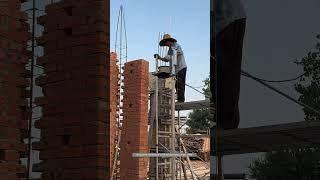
[(226, 12), (175, 48)]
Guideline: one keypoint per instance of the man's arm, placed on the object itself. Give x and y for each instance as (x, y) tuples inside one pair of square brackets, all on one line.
[(166, 58)]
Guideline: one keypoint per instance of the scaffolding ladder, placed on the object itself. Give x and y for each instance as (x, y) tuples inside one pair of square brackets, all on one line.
[(164, 136)]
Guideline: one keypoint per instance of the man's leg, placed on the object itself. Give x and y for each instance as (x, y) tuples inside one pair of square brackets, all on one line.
[(229, 44), (180, 84)]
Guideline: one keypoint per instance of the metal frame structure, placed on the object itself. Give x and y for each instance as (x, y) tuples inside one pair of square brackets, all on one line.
[(122, 56), (167, 132)]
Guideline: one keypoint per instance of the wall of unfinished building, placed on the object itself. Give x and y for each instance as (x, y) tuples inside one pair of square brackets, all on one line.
[(13, 94), (114, 106), (134, 138), (76, 106)]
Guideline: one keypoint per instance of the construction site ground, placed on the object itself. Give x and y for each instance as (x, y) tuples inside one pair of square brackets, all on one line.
[(201, 169)]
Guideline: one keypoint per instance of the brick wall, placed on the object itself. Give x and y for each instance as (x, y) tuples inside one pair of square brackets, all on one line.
[(76, 112), (114, 103), (13, 95), (134, 133)]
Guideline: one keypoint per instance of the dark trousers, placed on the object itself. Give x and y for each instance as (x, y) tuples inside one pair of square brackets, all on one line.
[(226, 72), (180, 84)]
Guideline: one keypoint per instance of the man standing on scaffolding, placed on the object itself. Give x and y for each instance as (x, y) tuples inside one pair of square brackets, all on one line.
[(227, 32), (181, 66)]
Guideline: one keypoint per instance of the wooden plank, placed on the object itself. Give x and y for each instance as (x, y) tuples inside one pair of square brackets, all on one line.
[(194, 135), (192, 105)]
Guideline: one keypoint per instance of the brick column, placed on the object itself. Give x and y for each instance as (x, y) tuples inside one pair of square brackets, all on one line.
[(134, 133), (113, 103), (13, 95), (76, 108)]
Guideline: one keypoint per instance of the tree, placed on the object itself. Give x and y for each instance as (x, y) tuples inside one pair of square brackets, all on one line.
[(296, 164), (284, 165), (206, 88), (309, 86), (199, 118)]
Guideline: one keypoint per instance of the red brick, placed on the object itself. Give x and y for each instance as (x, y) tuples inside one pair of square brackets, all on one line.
[(135, 108), (13, 57), (77, 114), (11, 155)]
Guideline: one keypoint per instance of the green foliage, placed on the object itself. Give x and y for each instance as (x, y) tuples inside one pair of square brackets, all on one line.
[(287, 165), (309, 85), (199, 118), (296, 164), (206, 88)]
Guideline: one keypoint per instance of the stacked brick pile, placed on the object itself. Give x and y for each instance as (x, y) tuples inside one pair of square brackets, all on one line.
[(134, 138), (13, 94), (114, 103), (76, 112)]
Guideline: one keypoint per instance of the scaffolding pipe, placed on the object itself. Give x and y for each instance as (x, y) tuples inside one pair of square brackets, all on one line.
[(157, 113), (179, 131), (173, 160), (163, 155), (188, 159)]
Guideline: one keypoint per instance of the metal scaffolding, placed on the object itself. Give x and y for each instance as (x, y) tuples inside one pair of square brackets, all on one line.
[(165, 126)]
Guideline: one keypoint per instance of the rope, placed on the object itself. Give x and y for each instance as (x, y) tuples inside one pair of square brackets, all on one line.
[(288, 80), (193, 88), (281, 93), (262, 82), (284, 80)]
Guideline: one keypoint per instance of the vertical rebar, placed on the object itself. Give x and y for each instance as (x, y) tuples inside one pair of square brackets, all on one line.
[(173, 162), (116, 40), (157, 110), (119, 52), (179, 131), (120, 67), (125, 35)]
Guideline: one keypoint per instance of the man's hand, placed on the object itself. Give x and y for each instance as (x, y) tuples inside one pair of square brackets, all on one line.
[(157, 56)]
